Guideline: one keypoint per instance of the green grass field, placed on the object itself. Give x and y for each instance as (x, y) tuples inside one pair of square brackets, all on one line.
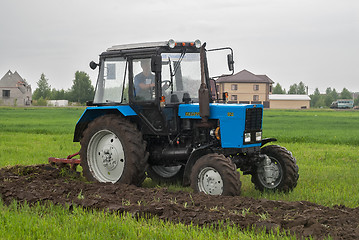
[(324, 142)]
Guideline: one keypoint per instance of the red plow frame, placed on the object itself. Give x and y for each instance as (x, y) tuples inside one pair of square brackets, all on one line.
[(69, 160)]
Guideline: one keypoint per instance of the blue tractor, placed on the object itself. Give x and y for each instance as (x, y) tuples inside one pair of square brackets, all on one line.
[(156, 113)]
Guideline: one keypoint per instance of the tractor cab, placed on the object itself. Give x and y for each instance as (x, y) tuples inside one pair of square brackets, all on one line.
[(152, 78)]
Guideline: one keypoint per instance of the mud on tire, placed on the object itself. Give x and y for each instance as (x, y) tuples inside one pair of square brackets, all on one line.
[(287, 167), (113, 150), (216, 175)]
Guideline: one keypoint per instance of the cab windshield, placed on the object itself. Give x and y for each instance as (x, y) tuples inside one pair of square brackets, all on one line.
[(181, 74)]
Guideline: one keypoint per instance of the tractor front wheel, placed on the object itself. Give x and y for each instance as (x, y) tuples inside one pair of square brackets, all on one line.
[(112, 150), (215, 174), (278, 172)]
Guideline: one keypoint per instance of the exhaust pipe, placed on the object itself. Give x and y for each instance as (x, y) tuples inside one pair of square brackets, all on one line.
[(203, 93)]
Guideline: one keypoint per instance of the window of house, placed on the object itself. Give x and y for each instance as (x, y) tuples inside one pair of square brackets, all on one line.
[(270, 88), (255, 97), (234, 87), (255, 87), (233, 97), (5, 93)]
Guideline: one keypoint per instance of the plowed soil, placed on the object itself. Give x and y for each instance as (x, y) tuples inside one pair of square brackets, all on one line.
[(46, 183)]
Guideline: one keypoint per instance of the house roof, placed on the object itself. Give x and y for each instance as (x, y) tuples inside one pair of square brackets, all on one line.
[(245, 76), (289, 97), (12, 80)]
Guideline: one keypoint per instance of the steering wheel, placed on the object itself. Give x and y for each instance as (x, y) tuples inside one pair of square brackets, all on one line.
[(166, 81), (165, 84)]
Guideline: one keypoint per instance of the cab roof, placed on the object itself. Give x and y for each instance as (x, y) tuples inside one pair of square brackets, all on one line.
[(148, 48), (138, 46)]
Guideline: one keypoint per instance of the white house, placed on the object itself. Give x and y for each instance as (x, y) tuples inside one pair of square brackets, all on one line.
[(289, 101), (58, 103)]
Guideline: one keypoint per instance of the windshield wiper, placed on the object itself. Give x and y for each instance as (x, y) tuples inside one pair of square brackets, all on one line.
[(171, 73), (177, 64)]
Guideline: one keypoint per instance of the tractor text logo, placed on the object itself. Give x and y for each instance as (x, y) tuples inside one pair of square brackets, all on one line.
[(191, 114)]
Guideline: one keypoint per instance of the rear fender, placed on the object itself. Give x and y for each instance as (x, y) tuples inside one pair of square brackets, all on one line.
[(92, 113)]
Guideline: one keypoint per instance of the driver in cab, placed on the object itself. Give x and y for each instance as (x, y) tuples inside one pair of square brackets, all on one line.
[(145, 81)]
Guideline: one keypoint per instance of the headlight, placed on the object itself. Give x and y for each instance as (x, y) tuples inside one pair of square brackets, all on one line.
[(197, 43), (258, 136), (171, 43), (247, 137)]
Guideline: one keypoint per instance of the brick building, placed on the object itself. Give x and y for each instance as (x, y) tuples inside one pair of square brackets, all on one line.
[(14, 90), (246, 87)]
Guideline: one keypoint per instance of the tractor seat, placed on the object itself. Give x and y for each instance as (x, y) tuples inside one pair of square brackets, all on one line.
[(174, 98)]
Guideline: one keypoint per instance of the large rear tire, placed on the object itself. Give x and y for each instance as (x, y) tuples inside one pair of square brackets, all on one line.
[(167, 175), (282, 170), (215, 174), (113, 150)]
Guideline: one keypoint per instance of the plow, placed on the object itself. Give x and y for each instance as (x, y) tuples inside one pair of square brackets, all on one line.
[(68, 161)]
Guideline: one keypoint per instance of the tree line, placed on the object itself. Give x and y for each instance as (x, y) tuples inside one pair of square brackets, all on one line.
[(317, 99), (80, 91)]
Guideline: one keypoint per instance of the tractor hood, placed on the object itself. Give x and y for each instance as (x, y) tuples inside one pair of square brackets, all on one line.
[(234, 121)]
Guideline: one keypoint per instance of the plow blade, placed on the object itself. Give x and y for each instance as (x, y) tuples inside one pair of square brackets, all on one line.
[(73, 162)]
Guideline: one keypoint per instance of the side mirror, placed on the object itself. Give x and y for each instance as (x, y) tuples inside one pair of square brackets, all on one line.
[(230, 62), (93, 65), (156, 63), (220, 62)]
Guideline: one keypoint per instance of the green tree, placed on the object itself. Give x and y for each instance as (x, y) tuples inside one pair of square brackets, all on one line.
[(334, 94), (328, 90), (58, 94), (314, 98), (278, 89), (356, 101), (345, 94), (328, 98), (293, 89), (43, 89), (40, 102), (301, 88), (82, 89)]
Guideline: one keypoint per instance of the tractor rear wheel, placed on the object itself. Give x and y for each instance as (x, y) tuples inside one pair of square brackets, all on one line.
[(278, 173), (113, 150), (162, 174), (215, 174)]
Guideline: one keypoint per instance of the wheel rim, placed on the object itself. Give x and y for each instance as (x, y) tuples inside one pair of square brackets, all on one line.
[(106, 157), (210, 181), (166, 172), (270, 175)]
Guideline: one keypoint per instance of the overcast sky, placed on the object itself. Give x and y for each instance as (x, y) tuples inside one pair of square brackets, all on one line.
[(314, 41)]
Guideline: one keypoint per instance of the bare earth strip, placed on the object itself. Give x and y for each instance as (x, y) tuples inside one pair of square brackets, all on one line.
[(42, 183)]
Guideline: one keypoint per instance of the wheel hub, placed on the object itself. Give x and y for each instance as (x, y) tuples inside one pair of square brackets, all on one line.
[(106, 156), (210, 181), (270, 172), (110, 158)]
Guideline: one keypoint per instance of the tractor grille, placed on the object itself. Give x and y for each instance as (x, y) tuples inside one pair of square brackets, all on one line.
[(253, 119)]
